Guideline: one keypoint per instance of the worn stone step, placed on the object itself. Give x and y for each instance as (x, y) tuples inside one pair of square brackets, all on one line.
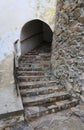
[(31, 73), (40, 91), (35, 59), (43, 99), (36, 56), (10, 120), (33, 66), (35, 78), (42, 49), (38, 53), (36, 62), (37, 84), (38, 111), (33, 69)]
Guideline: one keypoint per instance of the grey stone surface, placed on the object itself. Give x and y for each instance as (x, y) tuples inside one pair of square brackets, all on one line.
[(77, 112), (68, 46), (10, 103), (22, 126), (61, 121), (7, 122), (65, 120)]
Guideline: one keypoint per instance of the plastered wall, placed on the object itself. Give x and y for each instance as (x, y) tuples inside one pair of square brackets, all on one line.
[(15, 13)]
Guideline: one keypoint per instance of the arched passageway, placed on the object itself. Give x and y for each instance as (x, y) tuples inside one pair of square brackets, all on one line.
[(38, 87), (34, 33)]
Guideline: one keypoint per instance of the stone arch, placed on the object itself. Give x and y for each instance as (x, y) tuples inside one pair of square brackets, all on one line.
[(33, 33)]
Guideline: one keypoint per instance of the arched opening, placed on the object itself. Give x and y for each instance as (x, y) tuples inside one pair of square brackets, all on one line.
[(34, 33)]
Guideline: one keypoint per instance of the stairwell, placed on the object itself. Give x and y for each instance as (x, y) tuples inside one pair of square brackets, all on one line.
[(40, 92)]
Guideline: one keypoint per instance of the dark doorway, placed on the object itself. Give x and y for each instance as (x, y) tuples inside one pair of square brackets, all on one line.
[(34, 33)]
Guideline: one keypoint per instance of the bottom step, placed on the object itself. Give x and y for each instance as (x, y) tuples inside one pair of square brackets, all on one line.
[(38, 111), (10, 121)]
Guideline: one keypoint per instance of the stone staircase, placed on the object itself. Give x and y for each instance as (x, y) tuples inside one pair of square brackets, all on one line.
[(40, 93)]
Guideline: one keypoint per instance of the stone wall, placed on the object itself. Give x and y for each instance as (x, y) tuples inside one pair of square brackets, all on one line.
[(68, 46)]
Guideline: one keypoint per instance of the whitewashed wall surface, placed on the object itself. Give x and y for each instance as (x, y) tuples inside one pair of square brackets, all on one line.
[(15, 13)]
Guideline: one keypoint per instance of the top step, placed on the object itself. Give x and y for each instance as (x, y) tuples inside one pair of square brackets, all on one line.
[(36, 56), (39, 54), (35, 59)]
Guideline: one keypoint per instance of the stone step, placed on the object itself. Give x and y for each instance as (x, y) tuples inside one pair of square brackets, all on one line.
[(40, 91), (33, 69), (42, 49), (38, 111), (35, 59), (39, 54), (10, 120), (43, 99), (46, 50), (36, 56), (31, 73), (36, 62), (33, 66), (37, 84), (35, 78)]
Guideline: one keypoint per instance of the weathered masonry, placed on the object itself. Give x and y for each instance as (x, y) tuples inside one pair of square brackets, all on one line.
[(68, 46), (46, 71), (40, 92)]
